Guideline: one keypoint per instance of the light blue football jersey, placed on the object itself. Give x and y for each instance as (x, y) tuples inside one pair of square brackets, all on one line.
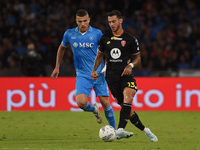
[(84, 47)]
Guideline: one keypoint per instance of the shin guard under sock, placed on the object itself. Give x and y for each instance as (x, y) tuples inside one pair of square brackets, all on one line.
[(136, 121), (89, 107), (109, 113), (124, 115)]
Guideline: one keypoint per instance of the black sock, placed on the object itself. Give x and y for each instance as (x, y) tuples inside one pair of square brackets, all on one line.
[(136, 121), (124, 115)]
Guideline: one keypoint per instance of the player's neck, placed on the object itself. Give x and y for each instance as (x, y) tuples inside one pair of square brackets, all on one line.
[(83, 32), (118, 32)]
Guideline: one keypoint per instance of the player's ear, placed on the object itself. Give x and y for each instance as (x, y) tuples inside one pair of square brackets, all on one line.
[(121, 20), (89, 19)]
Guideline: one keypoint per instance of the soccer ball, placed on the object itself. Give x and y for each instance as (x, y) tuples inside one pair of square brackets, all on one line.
[(107, 133)]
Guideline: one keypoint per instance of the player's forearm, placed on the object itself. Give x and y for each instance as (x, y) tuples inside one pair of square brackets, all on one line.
[(60, 54), (136, 60), (98, 61)]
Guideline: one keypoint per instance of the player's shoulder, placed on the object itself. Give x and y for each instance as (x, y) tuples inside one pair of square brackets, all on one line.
[(107, 35), (72, 30), (98, 31), (69, 33), (95, 29), (130, 37)]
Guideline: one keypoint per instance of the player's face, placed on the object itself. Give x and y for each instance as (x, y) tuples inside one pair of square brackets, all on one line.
[(114, 23), (83, 23)]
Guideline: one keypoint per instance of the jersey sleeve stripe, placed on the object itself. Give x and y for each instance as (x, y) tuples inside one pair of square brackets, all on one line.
[(135, 53)]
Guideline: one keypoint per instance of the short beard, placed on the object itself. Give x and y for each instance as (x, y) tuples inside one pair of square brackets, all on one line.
[(117, 28)]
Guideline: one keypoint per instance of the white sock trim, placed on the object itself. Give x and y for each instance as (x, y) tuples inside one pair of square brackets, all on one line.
[(120, 128), (146, 130)]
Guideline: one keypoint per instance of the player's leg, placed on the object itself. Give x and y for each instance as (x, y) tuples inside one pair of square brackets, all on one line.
[(115, 89), (121, 133), (101, 90), (129, 90), (135, 120), (128, 93), (83, 90), (83, 103), (125, 113), (128, 87), (108, 110)]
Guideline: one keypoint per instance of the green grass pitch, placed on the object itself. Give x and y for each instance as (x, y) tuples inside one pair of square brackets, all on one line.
[(59, 130)]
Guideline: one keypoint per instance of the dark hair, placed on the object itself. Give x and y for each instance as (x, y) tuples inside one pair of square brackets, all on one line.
[(81, 13), (115, 13)]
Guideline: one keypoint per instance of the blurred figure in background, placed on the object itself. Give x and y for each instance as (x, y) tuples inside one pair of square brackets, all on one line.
[(32, 63), (151, 21)]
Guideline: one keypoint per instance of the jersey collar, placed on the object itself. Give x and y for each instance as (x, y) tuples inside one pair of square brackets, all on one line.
[(90, 29), (118, 35)]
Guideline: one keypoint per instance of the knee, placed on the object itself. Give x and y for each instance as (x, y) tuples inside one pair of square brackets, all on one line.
[(105, 104), (81, 100), (128, 95), (104, 101), (81, 104), (128, 99)]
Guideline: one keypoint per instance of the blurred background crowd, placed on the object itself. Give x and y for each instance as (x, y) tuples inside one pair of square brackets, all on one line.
[(168, 32)]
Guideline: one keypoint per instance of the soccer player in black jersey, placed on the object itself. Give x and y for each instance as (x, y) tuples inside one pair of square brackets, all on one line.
[(122, 54)]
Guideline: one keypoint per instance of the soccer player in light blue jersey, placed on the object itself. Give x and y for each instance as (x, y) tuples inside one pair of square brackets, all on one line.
[(84, 41)]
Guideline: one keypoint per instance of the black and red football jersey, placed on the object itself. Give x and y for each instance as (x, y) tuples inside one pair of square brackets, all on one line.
[(118, 51)]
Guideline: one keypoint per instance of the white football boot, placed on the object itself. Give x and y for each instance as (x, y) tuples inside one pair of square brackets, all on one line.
[(97, 113), (150, 135), (121, 133)]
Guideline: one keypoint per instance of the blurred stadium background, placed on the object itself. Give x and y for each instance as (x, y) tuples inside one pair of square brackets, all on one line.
[(169, 36), (168, 31)]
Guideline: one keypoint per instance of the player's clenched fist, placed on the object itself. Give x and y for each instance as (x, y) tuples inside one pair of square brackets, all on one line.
[(94, 75)]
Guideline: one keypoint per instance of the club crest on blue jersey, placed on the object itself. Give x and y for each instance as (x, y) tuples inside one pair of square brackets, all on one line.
[(91, 38)]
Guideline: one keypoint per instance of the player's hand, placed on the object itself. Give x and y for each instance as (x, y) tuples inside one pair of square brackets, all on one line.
[(127, 71), (94, 75), (55, 73)]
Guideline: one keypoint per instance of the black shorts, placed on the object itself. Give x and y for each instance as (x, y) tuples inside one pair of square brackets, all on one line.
[(117, 86)]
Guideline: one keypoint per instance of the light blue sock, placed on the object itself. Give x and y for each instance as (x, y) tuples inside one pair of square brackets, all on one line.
[(109, 113), (89, 107)]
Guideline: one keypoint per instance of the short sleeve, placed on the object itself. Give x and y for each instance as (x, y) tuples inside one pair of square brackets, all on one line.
[(65, 41), (135, 46), (101, 44), (99, 35)]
